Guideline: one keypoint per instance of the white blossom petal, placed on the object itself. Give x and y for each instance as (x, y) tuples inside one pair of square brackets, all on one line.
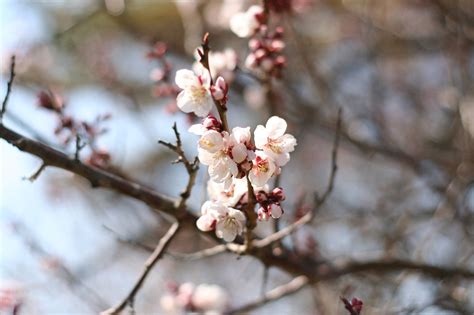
[(185, 78), (276, 127), (260, 137)]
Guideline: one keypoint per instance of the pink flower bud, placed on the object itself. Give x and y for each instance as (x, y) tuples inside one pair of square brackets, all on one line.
[(211, 122), (277, 45), (219, 89), (254, 44), (251, 61), (260, 53), (278, 194)]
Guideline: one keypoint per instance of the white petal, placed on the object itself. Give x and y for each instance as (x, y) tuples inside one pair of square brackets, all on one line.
[(282, 159), (197, 129), (276, 127), (257, 180), (241, 135), (185, 78), (239, 24), (211, 141), (202, 109), (261, 137), (232, 167), (222, 231), (218, 171), (205, 157), (205, 223), (276, 211), (287, 143), (239, 153), (238, 215), (184, 102), (205, 208)]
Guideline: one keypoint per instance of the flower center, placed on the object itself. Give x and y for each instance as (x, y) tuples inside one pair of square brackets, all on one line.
[(206, 143), (275, 146), (229, 223), (262, 165), (198, 93)]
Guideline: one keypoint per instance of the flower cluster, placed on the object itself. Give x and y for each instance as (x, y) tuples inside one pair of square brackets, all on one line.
[(187, 297), (265, 58), (265, 52), (232, 156)]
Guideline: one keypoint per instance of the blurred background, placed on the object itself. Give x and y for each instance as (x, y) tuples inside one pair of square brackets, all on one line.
[(402, 70)]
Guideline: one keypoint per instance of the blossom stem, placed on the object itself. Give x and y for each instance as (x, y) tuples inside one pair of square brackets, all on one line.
[(204, 60), (251, 215)]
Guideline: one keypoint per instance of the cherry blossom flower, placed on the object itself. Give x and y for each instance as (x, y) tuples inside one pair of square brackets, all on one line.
[(231, 225), (228, 222), (210, 213), (196, 96), (245, 24), (273, 140), (263, 167)]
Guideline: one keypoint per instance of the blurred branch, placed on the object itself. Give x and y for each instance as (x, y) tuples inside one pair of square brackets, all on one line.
[(289, 288), (64, 274), (150, 262), (9, 88)]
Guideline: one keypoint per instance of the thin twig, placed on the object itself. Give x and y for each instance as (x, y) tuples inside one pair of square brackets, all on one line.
[(9, 88), (289, 288), (36, 174), (150, 262), (79, 146), (191, 167)]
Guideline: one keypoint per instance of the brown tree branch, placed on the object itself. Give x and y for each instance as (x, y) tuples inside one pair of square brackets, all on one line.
[(96, 176), (150, 262)]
